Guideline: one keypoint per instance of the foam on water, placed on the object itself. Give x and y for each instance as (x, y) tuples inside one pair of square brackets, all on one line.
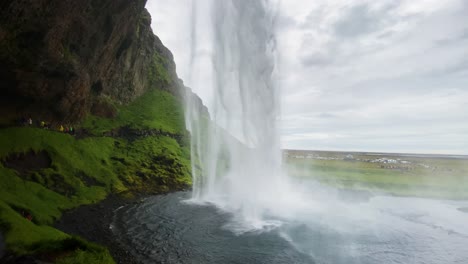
[(241, 160), (168, 229)]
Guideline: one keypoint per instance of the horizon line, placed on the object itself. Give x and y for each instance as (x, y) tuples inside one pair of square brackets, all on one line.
[(376, 152)]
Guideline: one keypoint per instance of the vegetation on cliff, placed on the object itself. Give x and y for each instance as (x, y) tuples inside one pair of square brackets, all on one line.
[(60, 57), (44, 172), (97, 67)]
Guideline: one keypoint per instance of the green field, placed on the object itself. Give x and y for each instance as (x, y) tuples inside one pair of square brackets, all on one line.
[(396, 174)]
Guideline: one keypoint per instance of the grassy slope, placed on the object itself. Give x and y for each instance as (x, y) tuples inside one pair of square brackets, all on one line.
[(154, 110), (449, 180), (86, 170)]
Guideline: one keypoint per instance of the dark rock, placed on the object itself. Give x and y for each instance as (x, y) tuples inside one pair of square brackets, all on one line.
[(194, 101), (133, 134), (56, 182), (104, 109), (88, 180), (58, 56), (92, 222), (22, 260), (29, 161), (2, 246)]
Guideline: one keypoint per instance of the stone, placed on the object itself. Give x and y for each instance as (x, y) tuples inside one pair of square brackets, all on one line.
[(2, 246), (58, 56)]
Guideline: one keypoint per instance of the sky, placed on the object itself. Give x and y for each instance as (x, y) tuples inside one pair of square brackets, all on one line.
[(361, 75)]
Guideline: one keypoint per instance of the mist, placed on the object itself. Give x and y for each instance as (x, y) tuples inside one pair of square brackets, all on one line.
[(334, 207)]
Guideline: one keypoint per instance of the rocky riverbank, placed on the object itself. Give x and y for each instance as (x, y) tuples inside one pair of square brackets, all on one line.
[(92, 222)]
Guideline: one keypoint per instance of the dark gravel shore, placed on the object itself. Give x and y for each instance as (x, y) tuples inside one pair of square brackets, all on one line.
[(2, 246), (92, 222)]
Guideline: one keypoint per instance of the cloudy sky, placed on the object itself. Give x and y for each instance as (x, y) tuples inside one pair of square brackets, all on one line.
[(361, 75)]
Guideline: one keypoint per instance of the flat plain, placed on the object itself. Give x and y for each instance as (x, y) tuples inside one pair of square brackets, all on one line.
[(419, 175)]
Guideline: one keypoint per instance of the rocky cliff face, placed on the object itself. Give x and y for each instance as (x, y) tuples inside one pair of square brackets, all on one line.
[(59, 57)]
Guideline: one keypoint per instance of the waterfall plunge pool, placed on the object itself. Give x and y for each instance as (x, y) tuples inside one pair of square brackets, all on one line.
[(382, 229)]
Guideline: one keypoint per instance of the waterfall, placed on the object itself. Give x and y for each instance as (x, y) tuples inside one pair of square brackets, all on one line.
[(236, 159)]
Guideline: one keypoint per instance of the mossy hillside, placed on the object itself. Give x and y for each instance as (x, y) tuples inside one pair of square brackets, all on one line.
[(86, 170), (44, 240), (156, 109), (158, 74), (59, 186), (21, 234), (163, 158)]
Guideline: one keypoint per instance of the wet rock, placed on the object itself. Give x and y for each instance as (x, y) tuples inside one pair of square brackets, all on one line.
[(92, 223), (60, 56)]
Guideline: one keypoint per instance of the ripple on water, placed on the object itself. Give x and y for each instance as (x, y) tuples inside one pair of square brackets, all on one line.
[(167, 230)]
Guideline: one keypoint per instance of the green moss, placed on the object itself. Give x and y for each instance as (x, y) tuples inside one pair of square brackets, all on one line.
[(70, 157), (84, 256), (84, 171), (30, 238), (22, 234), (156, 109), (158, 74), (68, 56), (164, 158), (81, 251)]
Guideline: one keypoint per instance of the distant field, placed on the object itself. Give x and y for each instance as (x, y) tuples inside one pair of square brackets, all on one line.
[(398, 174)]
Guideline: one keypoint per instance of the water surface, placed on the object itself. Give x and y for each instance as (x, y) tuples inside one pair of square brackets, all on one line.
[(168, 229)]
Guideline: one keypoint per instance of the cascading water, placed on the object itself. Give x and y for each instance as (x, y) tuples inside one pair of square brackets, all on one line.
[(239, 150), (236, 166)]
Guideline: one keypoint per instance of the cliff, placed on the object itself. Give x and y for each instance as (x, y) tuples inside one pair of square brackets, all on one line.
[(107, 118), (57, 58)]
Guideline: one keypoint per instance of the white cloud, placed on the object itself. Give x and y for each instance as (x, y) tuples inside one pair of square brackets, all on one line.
[(360, 75)]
